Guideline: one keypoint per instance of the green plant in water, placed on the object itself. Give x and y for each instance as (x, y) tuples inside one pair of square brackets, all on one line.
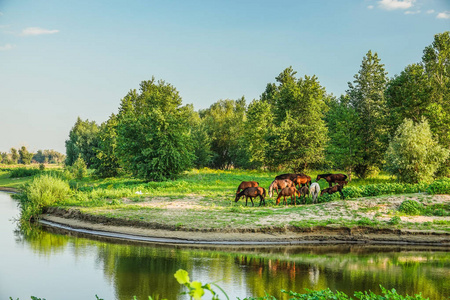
[(196, 289)]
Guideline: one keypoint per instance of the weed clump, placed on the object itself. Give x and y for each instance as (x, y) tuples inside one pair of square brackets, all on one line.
[(411, 207)]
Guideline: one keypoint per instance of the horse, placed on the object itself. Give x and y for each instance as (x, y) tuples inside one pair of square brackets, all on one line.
[(314, 189), (252, 192), (246, 184), (288, 192), (342, 182), (279, 184), (302, 180), (289, 176), (332, 190), (332, 178), (304, 190)]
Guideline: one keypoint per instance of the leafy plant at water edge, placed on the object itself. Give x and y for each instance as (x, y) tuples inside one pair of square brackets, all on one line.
[(411, 207), (196, 289)]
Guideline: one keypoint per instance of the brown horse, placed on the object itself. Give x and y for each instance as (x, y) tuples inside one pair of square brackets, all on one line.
[(279, 184), (252, 192), (302, 180), (246, 184), (289, 176), (332, 190), (288, 192), (331, 178), (304, 191)]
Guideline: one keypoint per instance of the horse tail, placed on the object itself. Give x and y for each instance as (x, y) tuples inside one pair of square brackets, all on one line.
[(264, 191), (271, 189)]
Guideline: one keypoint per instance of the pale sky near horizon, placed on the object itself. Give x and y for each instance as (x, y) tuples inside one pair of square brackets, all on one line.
[(64, 59)]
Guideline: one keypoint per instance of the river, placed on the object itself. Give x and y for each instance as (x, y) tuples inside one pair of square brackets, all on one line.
[(55, 265)]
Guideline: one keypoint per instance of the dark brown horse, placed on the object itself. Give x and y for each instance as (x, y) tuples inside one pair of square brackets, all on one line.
[(332, 190), (252, 192), (288, 192), (246, 184), (289, 176), (332, 178), (279, 184), (302, 180), (304, 191)]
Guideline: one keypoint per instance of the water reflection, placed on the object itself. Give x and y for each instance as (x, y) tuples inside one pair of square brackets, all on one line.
[(113, 269)]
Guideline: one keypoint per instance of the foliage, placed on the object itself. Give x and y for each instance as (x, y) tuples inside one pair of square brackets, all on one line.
[(49, 156), (23, 172), (196, 288), (78, 169), (42, 191), (413, 155), (411, 207), (25, 156), (366, 96), (14, 156), (153, 137), (395, 220), (441, 186), (82, 142), (298, 136), (224, 121), (107, 163)]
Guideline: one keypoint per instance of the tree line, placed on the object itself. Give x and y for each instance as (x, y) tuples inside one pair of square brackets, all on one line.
[(399, 124), (24, 156)]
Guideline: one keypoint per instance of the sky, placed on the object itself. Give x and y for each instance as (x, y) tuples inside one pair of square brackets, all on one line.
[(60, 60)]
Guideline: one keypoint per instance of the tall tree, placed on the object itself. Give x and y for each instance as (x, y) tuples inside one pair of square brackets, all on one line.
[(224, 122), (340, 119), (14, 156), (25, 156), (83, 139), (107, 162), (366, 95), (299, 134), (153, 136)]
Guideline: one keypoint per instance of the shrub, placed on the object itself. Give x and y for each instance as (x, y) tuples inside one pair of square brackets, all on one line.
[(23, 172), (78, 169), (394, 220), (42, 191), (441, 186), (411, 207)]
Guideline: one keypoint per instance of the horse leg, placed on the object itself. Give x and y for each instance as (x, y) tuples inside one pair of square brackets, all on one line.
[(251, 198), (342, 195), (278, 199), (261, 200)]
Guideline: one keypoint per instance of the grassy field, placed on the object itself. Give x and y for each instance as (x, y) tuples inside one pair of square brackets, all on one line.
[(202, 199)]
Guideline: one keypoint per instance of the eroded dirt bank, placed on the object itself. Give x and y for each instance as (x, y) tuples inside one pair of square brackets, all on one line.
[(288, 234)]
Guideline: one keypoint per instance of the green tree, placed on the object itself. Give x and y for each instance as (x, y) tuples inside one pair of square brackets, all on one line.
[(201, 141), (299, 135), (25, 156), (14, 155), (153, 132), (107, 163), (366, 95), (224, 121), (6, 158), (340, 119), (82, 142), (413, 155)]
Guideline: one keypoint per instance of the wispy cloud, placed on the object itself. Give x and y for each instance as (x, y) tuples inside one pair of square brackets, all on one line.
[(7, 47), (37, 31), (370, 7), (431, 11), (410, 12), (443, 15), (395, 4)]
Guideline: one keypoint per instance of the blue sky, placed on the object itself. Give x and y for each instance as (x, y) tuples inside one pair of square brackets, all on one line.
[(64, 59)]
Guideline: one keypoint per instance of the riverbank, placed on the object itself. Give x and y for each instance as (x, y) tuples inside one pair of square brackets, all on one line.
[(100, 225)]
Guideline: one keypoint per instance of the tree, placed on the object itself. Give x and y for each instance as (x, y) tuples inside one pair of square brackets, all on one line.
[(224, 122), (83, 139), (340, 119), (25, 156), (107, 163), (413, 155), (201, 141), (14, 155), (366, 95), (153, 132), (299, 135)]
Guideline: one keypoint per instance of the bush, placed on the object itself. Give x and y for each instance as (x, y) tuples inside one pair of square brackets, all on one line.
[(394, 220), (441, 186), (78, 169), (42, 191), (411, 207), (23, 172)]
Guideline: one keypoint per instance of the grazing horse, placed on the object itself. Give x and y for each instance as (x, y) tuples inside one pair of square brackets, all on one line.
[(288, 192), (314, 189), (302, 180), (246, 184), (287, 176), (252, 192), (332, 190), (332, 178), (279, 184), (304, 191)]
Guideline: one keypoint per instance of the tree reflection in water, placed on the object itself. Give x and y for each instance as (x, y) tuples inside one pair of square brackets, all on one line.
[(147, 269)]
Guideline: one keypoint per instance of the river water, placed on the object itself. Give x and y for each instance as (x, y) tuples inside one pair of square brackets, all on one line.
[(55, 265)]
